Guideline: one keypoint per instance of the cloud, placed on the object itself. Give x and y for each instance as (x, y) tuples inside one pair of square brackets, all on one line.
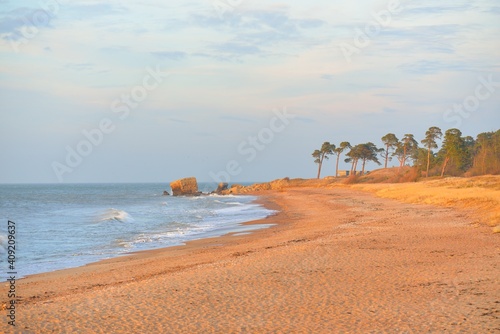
[(84, 11), (493, 10), (236, 119), (426, 10), (433, 66), (80, 66), (10, 24), (235, 48), (431, 38), (24, 21), (173, 55), (255, 32), (304, 119)]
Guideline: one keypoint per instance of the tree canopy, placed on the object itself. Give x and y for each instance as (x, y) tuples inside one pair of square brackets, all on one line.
[(457, 154), (390, 141), (430, 142), (322, 154)]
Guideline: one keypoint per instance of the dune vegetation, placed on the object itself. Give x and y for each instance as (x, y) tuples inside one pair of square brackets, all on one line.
[(462, 172), (480, 193), (458, 155)]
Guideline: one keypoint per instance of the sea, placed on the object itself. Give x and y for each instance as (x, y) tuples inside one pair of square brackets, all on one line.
[(58, 226)]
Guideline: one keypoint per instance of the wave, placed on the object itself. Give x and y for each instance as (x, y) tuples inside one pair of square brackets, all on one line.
[(114, 214), (222, 196), (228, 203), (122, 243), (244, 209)]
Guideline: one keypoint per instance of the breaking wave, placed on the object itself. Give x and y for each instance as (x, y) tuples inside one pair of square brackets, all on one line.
[(114, 214)]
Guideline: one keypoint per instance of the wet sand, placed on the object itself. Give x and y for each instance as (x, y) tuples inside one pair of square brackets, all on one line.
[(338, 260)]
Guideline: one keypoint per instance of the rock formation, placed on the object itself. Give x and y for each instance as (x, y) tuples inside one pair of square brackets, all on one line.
[(274, 185), (221, 187), (279, 185), (185, 187)]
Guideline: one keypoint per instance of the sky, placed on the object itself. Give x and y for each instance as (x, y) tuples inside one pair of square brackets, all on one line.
[(233, 90)]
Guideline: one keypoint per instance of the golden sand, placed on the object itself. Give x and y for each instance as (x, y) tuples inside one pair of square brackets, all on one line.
[(481, 193), (338, 260)]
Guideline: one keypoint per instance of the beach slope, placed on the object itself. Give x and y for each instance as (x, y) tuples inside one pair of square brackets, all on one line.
[(338, 260)]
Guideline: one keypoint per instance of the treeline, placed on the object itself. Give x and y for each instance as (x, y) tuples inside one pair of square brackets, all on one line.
[(458, 155)]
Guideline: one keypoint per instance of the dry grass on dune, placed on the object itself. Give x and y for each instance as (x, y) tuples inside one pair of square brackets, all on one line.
[(480, 193), (389, 175)]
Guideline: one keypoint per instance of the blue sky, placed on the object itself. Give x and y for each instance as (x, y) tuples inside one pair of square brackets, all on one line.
[(224, 70)]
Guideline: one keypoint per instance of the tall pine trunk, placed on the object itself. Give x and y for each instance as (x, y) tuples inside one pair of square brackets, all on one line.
[(403, 160), (337, 166), (320, 164), (446, 159), (428, 161), (355, 162), (386, 155)]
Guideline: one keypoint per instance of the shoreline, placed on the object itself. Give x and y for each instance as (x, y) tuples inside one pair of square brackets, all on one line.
[(215, 231), (338, 259), (100, 266)]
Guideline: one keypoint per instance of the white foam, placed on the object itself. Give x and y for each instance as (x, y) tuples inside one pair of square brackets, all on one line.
[(221, 196), (114, 215)]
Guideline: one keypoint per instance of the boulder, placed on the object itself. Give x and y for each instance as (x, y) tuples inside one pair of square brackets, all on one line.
[(233, 190), (165, 193), (185, 187), (221, 187)]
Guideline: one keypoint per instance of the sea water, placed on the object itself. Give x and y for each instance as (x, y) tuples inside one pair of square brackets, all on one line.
[(61, 226)]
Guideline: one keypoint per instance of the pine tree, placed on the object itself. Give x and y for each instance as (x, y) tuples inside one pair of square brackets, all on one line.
[(453, 151), (407, 147), (390, 141), (338, 151), (430, 142), (323, 153)]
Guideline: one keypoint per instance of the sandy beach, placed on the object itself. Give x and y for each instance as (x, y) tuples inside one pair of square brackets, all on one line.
[(337, 261)]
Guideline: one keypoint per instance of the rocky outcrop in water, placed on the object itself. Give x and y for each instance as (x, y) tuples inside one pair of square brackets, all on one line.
[(185, 187), (220, 188)]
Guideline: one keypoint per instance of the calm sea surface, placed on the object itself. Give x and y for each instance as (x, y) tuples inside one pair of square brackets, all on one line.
[(67, 225)]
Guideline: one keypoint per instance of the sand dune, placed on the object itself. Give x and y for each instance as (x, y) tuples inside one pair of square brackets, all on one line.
[(338, 260), (480, 193)]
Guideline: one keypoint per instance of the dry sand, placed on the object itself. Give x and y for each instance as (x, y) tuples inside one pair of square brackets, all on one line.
[(338, 261)]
